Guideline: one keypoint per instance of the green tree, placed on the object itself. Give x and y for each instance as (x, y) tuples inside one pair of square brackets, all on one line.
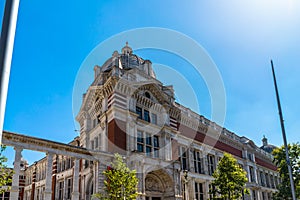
[(230, 179), (5, 173), (284, 188), (121, 182)]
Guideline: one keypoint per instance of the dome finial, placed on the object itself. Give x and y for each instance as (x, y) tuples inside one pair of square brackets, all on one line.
[(127, 49), (265, 141)]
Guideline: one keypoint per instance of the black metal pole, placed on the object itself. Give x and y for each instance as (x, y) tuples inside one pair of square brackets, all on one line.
[(6, 48), (284, 135)]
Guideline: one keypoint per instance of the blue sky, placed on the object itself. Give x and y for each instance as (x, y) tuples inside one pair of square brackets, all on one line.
[(53, 38)]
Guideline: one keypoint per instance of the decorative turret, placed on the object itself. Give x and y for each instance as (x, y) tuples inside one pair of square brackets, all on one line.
[(125, 61), (267, 147), (127, 49), (265, 141)]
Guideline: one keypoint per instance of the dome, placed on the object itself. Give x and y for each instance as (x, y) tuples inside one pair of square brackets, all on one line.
[(127, 60), (267, 147)]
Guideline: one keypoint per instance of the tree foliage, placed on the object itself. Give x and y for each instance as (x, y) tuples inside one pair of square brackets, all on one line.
[(5, 173), (284, 188), (230, 179), (121, 182)]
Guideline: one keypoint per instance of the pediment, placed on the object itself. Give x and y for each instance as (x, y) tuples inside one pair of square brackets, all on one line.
[(154, 93)]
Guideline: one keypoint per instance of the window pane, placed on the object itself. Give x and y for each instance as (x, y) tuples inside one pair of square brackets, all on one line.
[(155, 141), (146, 116), (96, 142), (148, 139), (139, 112), (156, 153), (140, 138), (184, 163), (140, 148), (153, 118), (148, 151)]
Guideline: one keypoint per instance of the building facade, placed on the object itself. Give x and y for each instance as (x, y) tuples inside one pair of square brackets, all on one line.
[(174, 150)]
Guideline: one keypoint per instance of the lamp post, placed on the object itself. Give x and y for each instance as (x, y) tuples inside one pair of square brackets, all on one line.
[(9, 23), (284, 136)]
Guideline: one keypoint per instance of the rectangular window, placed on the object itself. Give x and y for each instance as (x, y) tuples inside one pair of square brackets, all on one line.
[(199, 194), (37, 194), (68, 163), (146, 116), (153, 118), (63, 164), (139, 112), (92, 144), (42, 192), (211, 164), (5, 195), (148, 151), (263, 196), (262, 180), (59, 168), (272, 181), (69, 188), (60, 190), (250, 156), (211, 189), (183, 158), (197, 162), (148, 145), (252, 178), (267, 180), (148, 139), (140, 142), (253, 195), (96, 142), (156, 146)]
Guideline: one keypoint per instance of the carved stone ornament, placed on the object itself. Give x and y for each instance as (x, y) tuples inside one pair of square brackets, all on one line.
[(153, 185)]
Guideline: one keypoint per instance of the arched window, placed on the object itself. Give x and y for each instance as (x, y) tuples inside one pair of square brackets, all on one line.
[(147, 94)]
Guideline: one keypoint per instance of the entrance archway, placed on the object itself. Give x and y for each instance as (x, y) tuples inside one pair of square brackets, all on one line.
[(159, 185)]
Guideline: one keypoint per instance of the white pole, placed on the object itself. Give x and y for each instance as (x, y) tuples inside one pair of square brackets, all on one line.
[(6, 49)]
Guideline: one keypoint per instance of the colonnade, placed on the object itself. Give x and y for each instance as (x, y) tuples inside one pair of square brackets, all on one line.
[(14, 192)]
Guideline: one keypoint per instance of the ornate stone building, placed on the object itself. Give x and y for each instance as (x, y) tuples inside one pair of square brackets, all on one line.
[(127, 110)]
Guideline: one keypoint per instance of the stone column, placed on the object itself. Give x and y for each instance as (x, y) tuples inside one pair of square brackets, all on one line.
[(248, 172), (255, 174), (191, 188), (258, 177), (206, 189), (162, 145), (65, 187), (216, 161), (48, 185), (75, 193), (259, 194), (96, 173), (14, 191), (205, 163), (190, 160), (101, 177), (168, 148)]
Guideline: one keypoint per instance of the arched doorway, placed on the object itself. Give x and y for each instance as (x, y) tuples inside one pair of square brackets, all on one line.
[(159, 185)]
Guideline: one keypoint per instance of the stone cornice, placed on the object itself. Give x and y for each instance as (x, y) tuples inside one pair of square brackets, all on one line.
[(43, 145)]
